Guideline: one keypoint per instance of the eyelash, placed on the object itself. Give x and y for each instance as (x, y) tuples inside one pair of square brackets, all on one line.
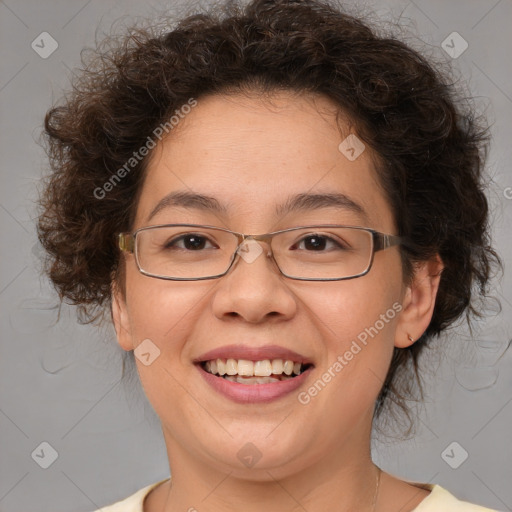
[(172, 243)]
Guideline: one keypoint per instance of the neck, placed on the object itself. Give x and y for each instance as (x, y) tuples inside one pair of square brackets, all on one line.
[(342, 479)]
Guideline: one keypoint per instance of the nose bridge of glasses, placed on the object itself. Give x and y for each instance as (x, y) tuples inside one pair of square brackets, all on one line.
[(245, 239)]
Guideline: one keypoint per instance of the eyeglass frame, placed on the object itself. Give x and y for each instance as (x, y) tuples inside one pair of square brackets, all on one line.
[(380, 242)]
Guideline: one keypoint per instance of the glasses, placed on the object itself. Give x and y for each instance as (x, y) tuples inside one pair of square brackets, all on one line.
[(189, 252)]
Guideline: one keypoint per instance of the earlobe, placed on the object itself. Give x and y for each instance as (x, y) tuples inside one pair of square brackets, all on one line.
[(419, 302), (121, 321)]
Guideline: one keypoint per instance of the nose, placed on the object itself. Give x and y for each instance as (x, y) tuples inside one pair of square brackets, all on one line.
[(254, 289)]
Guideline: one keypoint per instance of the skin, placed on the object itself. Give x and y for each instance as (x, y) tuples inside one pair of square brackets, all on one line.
[(251, 155)]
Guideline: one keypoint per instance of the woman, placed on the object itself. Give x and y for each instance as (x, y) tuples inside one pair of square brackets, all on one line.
[(268, 357)]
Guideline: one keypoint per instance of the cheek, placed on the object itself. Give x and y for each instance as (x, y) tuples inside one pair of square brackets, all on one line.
[(356, 320), (162, 316), (163, 311), (349, 307)]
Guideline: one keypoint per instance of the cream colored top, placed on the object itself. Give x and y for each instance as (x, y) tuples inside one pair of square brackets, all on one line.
[(439, 500)]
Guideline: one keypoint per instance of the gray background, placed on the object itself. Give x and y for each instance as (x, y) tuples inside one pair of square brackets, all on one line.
[(60, 381)]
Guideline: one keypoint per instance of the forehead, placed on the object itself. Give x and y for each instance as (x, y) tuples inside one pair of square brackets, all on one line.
[(254, 156)]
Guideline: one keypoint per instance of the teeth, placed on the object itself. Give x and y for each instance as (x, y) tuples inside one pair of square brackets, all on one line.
[(263, 368), (231, 367), (277, 366), (235, 369), (245, 367), (288, 367), (255, 380)]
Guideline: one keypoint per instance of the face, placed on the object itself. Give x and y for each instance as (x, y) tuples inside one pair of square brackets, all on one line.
[(252, 157)]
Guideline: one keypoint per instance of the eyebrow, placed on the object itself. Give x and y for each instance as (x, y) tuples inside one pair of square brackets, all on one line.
[(296, 203)]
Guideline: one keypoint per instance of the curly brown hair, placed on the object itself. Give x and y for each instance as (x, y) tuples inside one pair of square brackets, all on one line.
[(430, 144)]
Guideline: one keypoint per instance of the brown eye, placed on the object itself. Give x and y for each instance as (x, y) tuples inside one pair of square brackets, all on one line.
[(318, 243), (191, 242)]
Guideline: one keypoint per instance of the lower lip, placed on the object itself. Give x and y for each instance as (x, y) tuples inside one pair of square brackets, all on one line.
[(253, 393)]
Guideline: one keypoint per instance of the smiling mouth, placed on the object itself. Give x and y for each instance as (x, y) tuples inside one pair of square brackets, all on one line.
[(254, 372)]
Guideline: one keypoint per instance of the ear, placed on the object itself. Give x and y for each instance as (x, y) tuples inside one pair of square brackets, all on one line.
[(419, 301), (121, 319)]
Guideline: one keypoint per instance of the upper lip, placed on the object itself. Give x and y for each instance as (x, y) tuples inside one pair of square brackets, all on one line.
[(253, 354)]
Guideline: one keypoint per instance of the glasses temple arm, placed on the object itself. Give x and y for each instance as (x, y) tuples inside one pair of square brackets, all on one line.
[(126, 242), (382, 241)]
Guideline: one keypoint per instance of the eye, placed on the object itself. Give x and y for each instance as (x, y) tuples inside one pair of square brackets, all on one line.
[(191, 242), (318, 243)]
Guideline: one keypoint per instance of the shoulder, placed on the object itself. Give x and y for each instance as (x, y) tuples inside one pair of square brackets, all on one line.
[(133, 503), (440, 500)]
